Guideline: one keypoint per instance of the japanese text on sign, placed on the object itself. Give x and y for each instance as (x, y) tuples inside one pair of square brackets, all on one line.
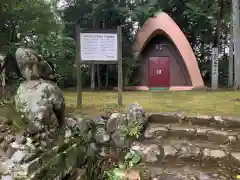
[(215, 62), (98, 47)]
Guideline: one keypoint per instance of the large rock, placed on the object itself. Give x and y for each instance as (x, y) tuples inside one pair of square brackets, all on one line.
[(32, 65), (136, 112), (149, 152), (41, 103)]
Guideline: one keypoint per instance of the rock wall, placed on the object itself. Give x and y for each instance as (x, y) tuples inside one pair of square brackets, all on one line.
[(172, 147), (175, 146)]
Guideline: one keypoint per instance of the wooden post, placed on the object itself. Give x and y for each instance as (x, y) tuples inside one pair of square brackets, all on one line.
[(120, 76), (93, 76), (236, 41), (78, 68)]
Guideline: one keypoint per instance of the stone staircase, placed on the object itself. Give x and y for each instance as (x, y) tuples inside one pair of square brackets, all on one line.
[(192, 147)]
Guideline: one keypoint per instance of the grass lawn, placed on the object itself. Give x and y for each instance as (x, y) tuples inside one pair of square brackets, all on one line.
[(191, 102)]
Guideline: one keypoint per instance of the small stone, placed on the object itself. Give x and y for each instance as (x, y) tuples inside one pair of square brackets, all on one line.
[(163, 118), (213, 153), (1, 138), (43, 135), (155, 131), (71, 122), (6, 166), (188, 151), (92, 149), (15, 145), (83, 125), (43, 144), (10, 152), (7, 177), (29, 140), (4, 145), (29, 157), (99, 120), (112, 122), (130, 174), (20, 139), (5, 120), (169, 150), (149, 152), (9, 138), (232, 138), (101, 136), (218, 119), (68, 133), (236, 155), (18, 156), (119, 139)]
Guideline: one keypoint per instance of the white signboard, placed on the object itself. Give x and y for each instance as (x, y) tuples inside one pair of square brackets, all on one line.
[(215, 57), (98, 47)]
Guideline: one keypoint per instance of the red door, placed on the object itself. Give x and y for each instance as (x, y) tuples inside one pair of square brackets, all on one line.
[(159, 72)]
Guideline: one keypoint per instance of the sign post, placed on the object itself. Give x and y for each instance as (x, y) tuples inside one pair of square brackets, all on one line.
[(214, 80), (103, 46)]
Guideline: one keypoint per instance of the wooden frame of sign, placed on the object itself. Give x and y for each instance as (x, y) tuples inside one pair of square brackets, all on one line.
[(98, 46)]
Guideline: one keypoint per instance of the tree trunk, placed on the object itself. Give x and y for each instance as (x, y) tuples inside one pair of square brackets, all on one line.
[(99, 77), (106, 77), (219, 30), (230, 63), (236, 41)]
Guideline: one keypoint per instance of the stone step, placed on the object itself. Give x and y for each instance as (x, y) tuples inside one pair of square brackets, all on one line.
[(201, 120), (161, 131), (159, 151), (191, 171)]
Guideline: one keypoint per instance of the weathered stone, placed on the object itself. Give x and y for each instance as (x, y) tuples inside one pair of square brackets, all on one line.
[(4, 145), (231, 122), (18, 156), (219, 136), (6, 166), (71, 123), (148, 152), (101, 135), (168, 176), (163, 118), (200, 120), (188, 151), (32, 65), (68, 133), (9, 138), (7, 177), (15, 145), (169, 150), (2, 135), (216, 154), (91, 150), (113, 122), (83, 125), (20, 139), (5, 120), (130, 174), (10, 152), (41, 103), (135, 112), (155, 130), (236, 158), (119, 139), (181, 131)]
